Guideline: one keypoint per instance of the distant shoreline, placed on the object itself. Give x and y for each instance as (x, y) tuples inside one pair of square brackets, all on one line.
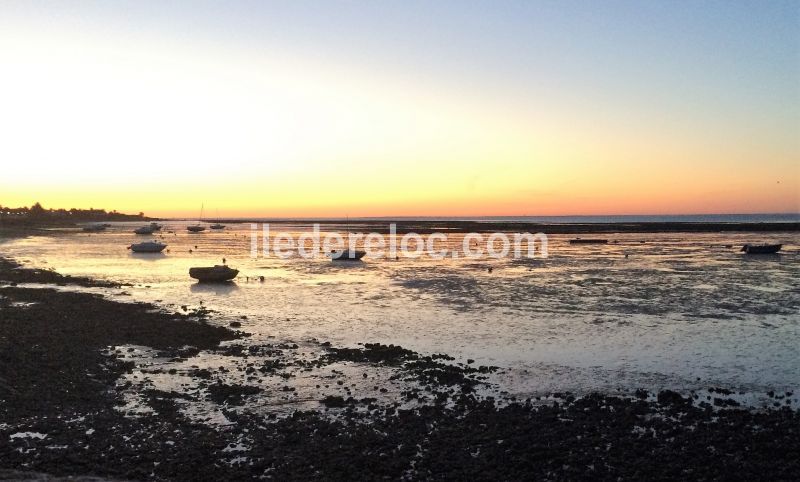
[(777, 217), (19, 227), (428, 226)]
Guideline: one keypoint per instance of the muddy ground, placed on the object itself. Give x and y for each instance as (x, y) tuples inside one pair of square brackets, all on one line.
[(63, 413)]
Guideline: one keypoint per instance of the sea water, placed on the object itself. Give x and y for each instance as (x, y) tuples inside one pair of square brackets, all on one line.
[(646, 310)]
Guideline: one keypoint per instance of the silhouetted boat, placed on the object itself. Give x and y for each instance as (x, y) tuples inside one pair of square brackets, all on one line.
[(156, 226), (761, 248), (588, 241), (216, 273), (94, 228), (217, 225), (147, 247), (347, 255), (196, 228), (144, 230)]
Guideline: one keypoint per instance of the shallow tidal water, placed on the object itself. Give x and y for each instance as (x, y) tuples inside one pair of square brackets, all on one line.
[(681, 311)]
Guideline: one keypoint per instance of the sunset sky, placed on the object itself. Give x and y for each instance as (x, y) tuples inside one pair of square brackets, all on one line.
[(401, 108)]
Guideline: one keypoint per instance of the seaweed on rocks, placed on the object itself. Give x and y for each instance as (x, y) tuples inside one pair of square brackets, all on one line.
[(51, 351), (13, 273), (428, 370), (371, 353), (230, 394), (60, 414)]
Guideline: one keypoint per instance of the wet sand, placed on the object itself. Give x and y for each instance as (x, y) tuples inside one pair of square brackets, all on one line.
[(62, 410)]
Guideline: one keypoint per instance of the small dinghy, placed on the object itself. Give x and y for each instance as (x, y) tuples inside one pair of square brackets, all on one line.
[(215, 274), (761, 248), (347, 255), (144, 230), (147, 247), (588, 241)]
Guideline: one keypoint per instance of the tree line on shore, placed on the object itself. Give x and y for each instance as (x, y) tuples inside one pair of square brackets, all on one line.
[(37, 213)]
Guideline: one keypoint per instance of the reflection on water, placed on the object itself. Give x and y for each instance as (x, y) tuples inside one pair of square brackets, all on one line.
[(147, 256), (643, 310), (219, 289)]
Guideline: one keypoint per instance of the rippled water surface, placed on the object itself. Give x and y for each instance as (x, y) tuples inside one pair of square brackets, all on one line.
[(677, 308)]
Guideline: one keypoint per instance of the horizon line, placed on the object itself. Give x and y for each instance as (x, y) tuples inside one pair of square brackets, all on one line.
[(467, 217)]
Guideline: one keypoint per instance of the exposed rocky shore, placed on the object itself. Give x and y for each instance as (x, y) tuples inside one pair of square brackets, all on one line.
[(62, 412)]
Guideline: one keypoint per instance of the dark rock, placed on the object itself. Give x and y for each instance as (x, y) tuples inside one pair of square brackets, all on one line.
[(333, 401)]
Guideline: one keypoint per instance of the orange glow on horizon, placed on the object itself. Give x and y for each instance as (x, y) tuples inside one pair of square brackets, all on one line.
[(140, 121)]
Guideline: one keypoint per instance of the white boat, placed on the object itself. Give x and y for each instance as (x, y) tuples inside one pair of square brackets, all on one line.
[(144, 230), (147, 247), (346, 255)]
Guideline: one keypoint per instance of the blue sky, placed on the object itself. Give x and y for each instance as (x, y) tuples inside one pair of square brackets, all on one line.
[(718, 83)]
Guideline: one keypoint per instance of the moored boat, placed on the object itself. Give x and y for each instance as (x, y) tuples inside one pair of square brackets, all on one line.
[(196, 228), (144, 230), (147, 247), (94, 228), (588, 241), (155, 226), (346, 255), (213, 274), (217, 225), (761, 248)]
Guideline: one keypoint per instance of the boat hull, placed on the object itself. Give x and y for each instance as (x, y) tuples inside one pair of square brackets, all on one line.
[(148, 248), (588, 241), (216, 274), (761, 249), (348, 255), (195, 229)]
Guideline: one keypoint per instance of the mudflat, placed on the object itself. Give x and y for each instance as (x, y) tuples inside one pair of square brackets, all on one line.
[(61, 412)]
